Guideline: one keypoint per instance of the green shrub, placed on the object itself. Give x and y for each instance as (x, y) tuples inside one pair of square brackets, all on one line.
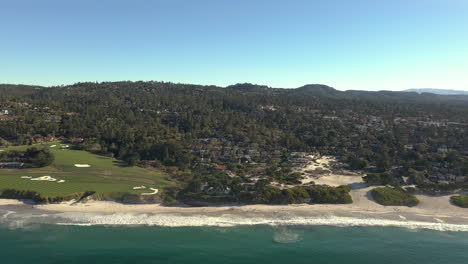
[(379, 179), (330, 195), (460, 200), (434, 188), (31, 195), (357, 163), (393, 196)]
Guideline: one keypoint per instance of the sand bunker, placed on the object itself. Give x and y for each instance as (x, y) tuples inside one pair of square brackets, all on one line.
[(53, 146), (82, 165), (64, 146), (155, 191), (44, 178), (139, 187)]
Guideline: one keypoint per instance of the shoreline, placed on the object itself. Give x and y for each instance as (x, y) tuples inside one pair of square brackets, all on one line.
[(434, 213)]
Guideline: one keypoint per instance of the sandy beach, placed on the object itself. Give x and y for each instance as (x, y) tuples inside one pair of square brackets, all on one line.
[(432, 213), (430, 206)]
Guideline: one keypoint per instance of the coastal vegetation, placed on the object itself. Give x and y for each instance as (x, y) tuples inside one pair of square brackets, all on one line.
[(460, 200), (268, 194), (379, 179), (393, 196)]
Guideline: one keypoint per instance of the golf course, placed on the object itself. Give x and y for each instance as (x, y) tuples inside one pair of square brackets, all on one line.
[(76, 171)]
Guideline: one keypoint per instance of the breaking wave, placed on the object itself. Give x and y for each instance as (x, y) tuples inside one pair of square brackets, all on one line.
[(228, 220), (15, 220)]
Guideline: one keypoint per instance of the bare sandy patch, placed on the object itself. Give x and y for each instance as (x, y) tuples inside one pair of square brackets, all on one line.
[(10, 202), (320, 171)]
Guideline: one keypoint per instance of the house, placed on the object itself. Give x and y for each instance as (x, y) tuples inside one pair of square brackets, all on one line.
[(44, 139), (330, 117), (53, 118), (11, 165), (361, 128), (298, 154), (268, 108), (253, 152), (408, 147), (77, 140), (221, 167), (246, 159), (460, 179), (149, 163), (432, 123), (7, 117), (442, 149)]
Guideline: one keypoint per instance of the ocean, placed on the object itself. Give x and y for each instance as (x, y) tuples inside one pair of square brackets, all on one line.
[(46, 243)]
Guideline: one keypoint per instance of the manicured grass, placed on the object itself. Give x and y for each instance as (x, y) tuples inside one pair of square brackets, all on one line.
[(393, 196), (460, 200), (106, 175)]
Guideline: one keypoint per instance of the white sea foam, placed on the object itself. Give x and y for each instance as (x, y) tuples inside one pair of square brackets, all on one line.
[(286, 236), (8, 213), (228, 220)]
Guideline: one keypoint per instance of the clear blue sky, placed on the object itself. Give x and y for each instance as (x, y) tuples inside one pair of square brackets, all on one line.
[(348, 44)]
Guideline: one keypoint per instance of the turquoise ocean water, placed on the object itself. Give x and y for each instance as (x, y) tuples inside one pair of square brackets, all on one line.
[(39, 244)]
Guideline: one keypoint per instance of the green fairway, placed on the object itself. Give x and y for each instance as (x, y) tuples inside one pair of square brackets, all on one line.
[(104, 175)]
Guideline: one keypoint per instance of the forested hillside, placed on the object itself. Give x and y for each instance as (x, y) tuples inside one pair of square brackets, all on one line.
[(212, 140)]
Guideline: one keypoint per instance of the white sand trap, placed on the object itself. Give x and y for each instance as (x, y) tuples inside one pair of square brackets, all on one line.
[(139, 187), (44, 178), (26, 177), (61, 181), (155, 191), (53, 146), (82, 165), (65, 146)]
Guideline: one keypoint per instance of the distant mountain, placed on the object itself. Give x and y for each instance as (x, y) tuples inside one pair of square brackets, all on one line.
[(436, 91), (325, 91), (317, 90), (246, 87)]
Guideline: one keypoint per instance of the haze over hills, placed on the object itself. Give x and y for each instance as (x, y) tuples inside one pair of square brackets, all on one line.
[(436, 91)]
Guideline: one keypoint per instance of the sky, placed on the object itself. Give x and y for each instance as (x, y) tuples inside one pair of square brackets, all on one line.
[(347, 44)]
